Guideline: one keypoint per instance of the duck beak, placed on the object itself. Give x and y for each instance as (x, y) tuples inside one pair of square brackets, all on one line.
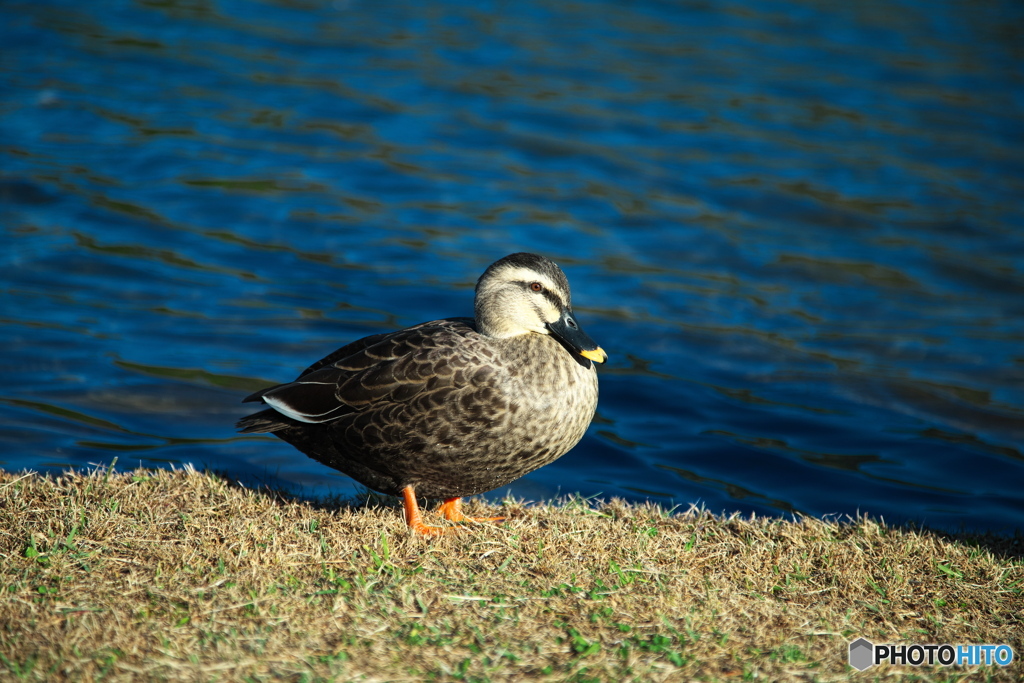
[(567, 331)]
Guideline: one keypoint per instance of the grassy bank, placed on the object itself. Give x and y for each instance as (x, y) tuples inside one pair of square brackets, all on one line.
[(180, 575)]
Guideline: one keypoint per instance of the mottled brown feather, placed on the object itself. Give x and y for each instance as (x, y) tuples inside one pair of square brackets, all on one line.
[(439, 406)]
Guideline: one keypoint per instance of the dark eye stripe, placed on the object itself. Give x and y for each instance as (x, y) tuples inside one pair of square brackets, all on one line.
[(548, 294)]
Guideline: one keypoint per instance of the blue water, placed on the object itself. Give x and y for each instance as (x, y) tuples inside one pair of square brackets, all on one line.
[(796, 227)]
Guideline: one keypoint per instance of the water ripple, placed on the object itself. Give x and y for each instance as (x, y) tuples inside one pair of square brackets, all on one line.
[(795, 228)]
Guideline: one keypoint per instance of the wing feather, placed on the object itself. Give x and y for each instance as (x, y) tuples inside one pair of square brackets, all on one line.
[(425, 361)]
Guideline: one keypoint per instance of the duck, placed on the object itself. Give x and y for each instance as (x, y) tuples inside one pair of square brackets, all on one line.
[(449, 408)]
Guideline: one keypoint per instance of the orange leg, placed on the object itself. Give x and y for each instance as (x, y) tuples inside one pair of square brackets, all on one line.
[(413, 517), (452, 511)]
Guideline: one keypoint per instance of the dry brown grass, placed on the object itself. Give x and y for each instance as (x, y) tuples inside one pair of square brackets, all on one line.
[(180, 575)]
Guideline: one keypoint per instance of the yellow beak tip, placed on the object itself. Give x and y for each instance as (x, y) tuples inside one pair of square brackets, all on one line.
[(597, 355)]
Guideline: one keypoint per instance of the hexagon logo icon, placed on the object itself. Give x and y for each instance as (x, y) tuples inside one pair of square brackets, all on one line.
[(862, 654)]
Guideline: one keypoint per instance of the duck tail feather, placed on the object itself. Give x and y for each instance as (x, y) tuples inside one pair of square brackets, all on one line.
[(264, 421)]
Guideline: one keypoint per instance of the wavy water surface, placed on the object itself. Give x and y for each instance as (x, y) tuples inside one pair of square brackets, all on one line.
[(795, 227)]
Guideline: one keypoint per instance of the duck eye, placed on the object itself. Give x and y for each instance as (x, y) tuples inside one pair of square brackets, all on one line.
[(537, 287)]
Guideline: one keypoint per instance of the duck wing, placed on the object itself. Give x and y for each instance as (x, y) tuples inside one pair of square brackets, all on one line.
[(394, 367)]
